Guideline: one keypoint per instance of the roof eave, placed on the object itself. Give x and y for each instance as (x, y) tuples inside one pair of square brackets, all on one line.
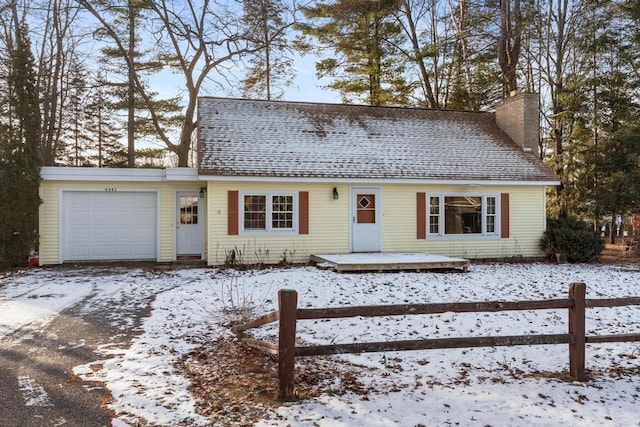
[(371, 181)]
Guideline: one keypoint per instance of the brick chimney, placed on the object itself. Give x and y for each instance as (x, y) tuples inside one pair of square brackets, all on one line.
[(519, 116)]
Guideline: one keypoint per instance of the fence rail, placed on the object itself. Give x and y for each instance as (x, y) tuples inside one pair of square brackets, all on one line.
[(288, 314)]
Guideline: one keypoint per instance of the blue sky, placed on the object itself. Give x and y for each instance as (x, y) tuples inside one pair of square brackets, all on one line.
[(305, 87)]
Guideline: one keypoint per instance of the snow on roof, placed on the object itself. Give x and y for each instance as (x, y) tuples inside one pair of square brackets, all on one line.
[(240, 137)]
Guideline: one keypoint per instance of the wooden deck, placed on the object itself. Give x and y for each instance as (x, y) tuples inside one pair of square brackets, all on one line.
[(388, 262)]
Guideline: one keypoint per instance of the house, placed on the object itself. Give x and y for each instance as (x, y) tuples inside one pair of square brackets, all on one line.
[(284, 180)]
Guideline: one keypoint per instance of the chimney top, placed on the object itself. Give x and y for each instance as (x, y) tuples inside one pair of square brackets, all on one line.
[(519, 117)]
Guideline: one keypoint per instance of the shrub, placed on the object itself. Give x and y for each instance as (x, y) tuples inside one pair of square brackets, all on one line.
[(574, 240)]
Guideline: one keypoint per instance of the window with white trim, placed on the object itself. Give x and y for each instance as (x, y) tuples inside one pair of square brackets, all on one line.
[(268, 212), (463, 215)]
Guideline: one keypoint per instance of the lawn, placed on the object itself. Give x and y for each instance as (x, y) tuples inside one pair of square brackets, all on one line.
[(186, 367)]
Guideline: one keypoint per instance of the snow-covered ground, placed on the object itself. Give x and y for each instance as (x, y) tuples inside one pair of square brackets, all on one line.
[(497, 386)]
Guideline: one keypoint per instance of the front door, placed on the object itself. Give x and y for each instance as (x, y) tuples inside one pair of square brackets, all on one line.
[(365, 220), (189, 229)]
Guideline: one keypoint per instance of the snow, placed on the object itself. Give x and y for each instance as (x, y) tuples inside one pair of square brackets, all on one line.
[(35, 394), (386, 258), (29, 300), (524, 385)]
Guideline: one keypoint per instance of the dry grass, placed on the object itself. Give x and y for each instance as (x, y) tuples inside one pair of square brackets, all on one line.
[(236, 385)]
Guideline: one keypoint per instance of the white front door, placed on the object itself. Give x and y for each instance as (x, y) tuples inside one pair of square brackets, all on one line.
[(189, 225), (365, 219)]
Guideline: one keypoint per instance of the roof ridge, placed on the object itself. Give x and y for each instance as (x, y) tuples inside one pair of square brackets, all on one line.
[(346, 105)]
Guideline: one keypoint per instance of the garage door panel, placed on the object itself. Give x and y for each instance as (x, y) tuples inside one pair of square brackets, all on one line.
[(98, 251), (99, 234), (119, 234), (99, 217), (80, 251), (99, 200), (80, 216), (109, 225), (144, 234), (81, 234)]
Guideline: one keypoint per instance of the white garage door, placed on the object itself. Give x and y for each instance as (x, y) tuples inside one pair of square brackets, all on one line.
[(104, 226)]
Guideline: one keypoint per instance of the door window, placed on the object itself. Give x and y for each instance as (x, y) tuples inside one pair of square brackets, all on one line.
[(188, 209), (366, 208)]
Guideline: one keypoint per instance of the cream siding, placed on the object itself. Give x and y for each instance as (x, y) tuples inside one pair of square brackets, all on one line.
[(329, 220), (51, 192), (329, 224), (48, 224), (527, 223)]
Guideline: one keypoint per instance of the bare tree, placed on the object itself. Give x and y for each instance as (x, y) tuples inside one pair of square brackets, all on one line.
[(509, 42), (411, 14), (57, 48), (557, 28), (195, 40)]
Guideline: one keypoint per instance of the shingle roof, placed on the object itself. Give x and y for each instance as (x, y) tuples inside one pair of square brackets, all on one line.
[(290, 139)]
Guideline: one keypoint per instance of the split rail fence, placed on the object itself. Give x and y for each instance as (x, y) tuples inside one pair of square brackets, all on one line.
[(288, 314)]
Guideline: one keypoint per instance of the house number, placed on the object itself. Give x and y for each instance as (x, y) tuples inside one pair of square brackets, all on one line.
[(110, 189)]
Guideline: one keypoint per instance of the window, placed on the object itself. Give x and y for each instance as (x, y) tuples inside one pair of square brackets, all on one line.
[(188, 210), (462, 215), (282, 212), (268, 212), (255, 212)]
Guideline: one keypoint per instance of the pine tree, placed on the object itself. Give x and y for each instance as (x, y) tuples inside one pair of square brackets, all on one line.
[(103, 129), (364, 36), (19, 153), (128, 70), (471, 64), (270, 66)]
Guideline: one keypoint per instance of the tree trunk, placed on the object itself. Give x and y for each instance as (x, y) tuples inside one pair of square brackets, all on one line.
[(509, 42), (612, 231), (424, 75), (190, 124), (131, 99)]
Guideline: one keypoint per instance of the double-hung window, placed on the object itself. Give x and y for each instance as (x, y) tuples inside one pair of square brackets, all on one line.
[(462, 215), (268, 212)]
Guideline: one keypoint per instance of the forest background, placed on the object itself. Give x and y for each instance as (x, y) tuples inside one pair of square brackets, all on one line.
[(114, 83)]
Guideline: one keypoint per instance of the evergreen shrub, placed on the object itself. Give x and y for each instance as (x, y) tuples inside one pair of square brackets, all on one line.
[(572, 240)]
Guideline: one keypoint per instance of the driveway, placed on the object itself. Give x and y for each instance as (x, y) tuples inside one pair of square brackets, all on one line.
[(37, 384)]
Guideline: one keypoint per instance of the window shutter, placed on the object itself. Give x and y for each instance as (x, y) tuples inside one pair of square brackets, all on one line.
[(504, 215), (232, 212), (421, 225), (303, 212)]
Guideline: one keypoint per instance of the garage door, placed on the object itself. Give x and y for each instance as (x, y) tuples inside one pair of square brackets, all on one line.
[(101, 226)]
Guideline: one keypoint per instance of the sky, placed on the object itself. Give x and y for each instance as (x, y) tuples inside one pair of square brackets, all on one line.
[(305, 86)]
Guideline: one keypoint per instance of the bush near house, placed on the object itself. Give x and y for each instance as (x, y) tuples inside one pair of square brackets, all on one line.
[(571, 240)]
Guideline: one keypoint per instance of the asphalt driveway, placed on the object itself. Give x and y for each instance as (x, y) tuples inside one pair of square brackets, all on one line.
[(37, 384)]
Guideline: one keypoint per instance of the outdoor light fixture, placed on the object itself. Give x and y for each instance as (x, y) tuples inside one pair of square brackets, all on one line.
[(335, 193), (202, 191)]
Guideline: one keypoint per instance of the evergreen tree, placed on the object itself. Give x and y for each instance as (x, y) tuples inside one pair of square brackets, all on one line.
[(75, 140), (128, 67), (103, 129), (614, 176), (270, 65), (364, 36), (472, 72), (19, 153)]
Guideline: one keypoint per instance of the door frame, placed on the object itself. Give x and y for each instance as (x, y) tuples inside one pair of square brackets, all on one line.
[(377, 191), (201, 220)]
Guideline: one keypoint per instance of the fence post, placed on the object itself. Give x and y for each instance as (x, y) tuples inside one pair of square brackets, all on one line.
[(577, 292), (288, 306)]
